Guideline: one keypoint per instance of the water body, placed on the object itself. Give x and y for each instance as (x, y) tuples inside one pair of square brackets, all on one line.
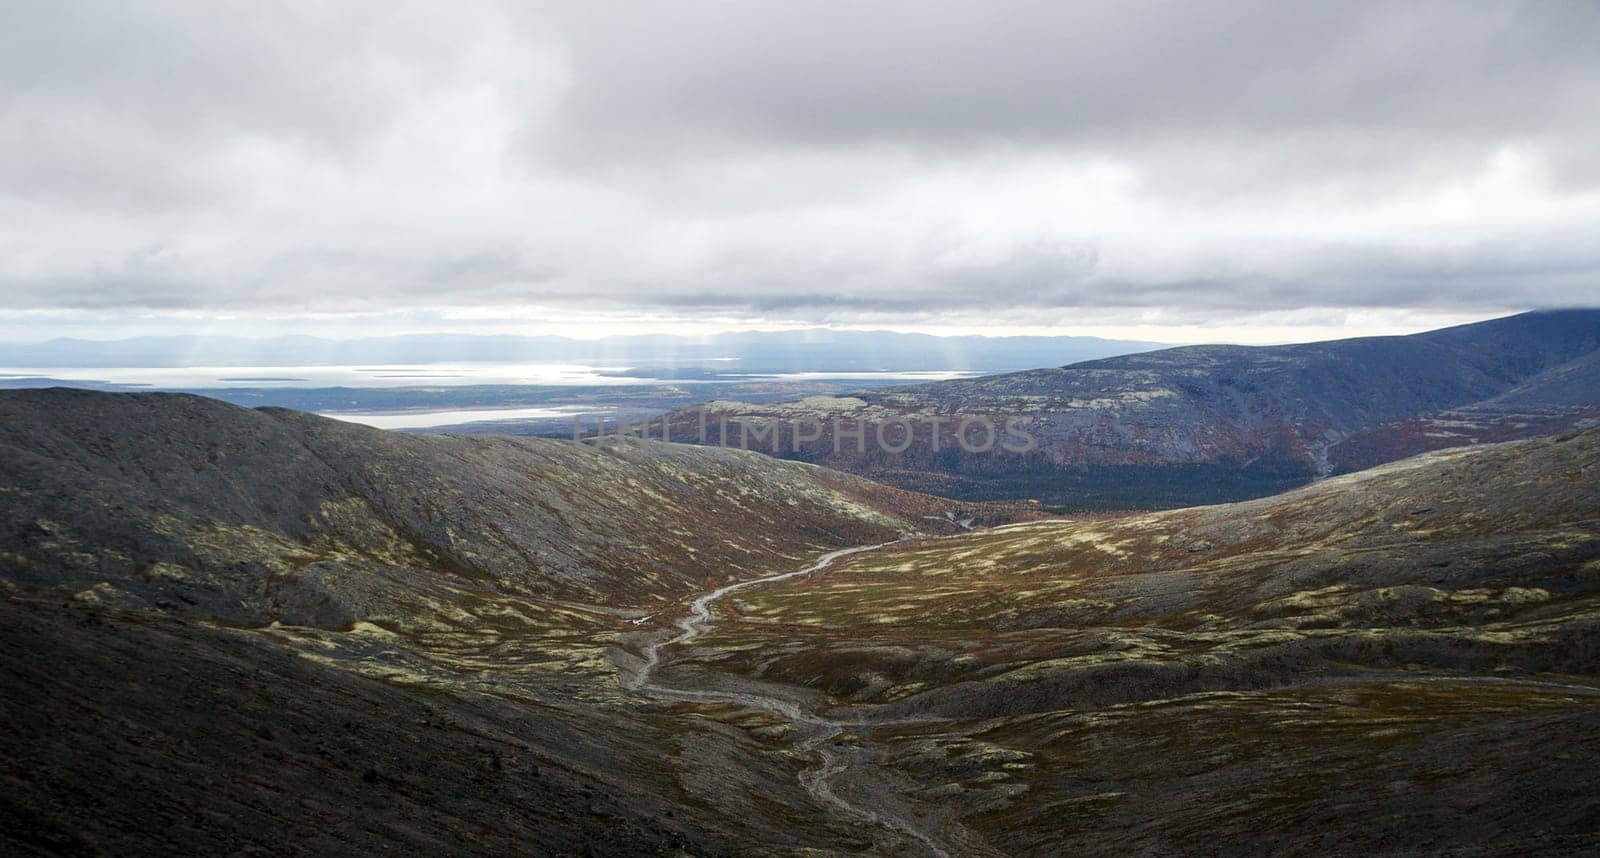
[(391, 375), (425, 375), (434, 419), (436, 395)]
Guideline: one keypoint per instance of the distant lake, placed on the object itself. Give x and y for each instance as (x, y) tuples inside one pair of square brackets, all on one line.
[(421, 375), (434, 419), (395, 375)]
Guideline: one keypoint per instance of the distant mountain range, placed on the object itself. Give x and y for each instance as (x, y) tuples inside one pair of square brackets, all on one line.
[(812, 350), (1203, 424)]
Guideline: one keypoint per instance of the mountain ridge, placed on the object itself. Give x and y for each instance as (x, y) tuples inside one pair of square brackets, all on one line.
[(1204, 424), (259, 514)]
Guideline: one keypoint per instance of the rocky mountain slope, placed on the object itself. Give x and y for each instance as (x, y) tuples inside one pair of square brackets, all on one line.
[(229, 629), (1203, 424), (252, 516)]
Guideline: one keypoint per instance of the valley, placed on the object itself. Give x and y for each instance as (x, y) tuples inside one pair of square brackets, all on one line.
[(631, 647)]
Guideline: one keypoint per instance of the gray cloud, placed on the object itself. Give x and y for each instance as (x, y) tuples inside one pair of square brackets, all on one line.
[(812, 161), (1080, 72)]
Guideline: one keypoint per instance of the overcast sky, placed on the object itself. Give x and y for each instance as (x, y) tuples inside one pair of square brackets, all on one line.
[(1180, 171)]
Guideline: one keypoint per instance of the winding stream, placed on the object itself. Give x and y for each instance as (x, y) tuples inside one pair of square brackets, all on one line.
[(818, 781)]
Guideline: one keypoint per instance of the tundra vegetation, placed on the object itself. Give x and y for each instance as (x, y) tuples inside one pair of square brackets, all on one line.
[(229, 629)]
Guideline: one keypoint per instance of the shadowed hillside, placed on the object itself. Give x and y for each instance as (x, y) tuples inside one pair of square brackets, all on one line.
[(228, 629), (191, 504)]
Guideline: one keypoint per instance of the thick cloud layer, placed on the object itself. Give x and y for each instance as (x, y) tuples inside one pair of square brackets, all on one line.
[(819, 161)]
